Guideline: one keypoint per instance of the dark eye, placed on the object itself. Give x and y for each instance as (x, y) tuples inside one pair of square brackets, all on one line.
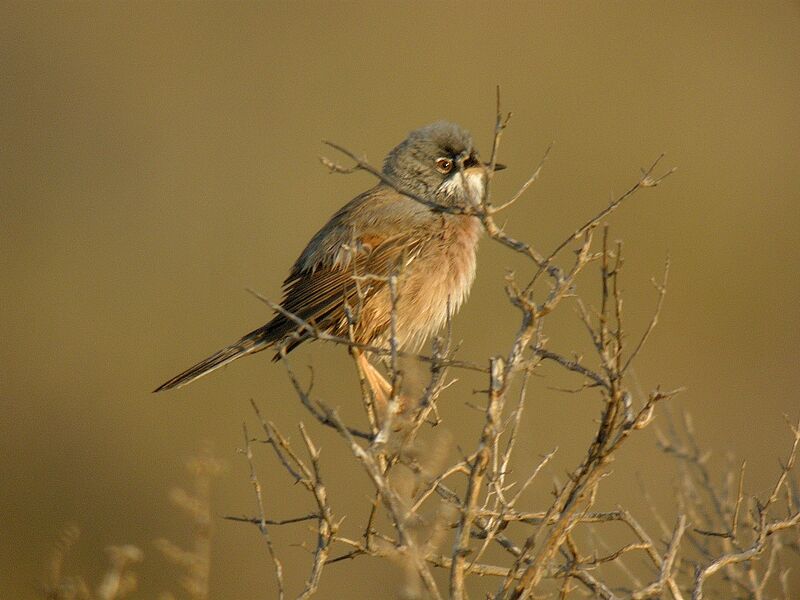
[(444, 165)]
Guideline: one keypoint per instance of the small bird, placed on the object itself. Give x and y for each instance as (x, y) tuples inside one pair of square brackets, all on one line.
[(380, 233)]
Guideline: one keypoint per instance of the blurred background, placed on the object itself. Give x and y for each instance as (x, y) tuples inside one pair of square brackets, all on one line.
[(158, 158)]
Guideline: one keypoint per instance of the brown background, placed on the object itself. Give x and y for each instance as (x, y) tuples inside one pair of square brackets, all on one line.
[(159, 158)]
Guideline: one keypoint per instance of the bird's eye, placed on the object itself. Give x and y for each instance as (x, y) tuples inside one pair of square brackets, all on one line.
[(444, 165)]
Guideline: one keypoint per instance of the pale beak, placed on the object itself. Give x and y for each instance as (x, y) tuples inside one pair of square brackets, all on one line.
[(497, 166)]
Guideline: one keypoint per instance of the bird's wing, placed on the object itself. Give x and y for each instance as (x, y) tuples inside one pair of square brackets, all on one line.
[(318, 295)]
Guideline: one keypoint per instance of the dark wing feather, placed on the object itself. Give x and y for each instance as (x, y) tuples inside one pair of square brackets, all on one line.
[(319, 295)]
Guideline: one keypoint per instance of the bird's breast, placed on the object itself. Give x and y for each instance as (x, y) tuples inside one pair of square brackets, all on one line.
[(438, 277)]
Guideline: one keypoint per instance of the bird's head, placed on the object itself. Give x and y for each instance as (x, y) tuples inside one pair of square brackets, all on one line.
[(439, 163)]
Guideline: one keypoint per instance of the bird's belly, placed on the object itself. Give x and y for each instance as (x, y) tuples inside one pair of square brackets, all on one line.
[(438, 278)]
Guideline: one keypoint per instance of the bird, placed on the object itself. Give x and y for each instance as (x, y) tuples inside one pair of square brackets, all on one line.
[(429, 247)]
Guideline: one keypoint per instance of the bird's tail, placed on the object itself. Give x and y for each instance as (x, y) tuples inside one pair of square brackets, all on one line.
[(254, 341)]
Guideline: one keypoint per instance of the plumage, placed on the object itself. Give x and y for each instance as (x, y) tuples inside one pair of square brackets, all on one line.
[(379, 233)]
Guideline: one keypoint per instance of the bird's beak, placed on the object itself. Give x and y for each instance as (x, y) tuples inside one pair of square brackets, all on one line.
[(497, 166)]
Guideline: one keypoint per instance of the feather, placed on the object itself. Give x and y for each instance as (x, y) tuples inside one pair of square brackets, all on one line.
[(318, 296)]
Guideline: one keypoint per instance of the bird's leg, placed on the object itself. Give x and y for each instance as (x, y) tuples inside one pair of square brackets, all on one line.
[(380, 388)]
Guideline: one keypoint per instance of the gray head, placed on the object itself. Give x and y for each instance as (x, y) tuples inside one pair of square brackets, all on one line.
[(438, 162)]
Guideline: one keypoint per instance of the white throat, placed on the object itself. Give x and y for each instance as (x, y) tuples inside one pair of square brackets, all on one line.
[(466, 186)]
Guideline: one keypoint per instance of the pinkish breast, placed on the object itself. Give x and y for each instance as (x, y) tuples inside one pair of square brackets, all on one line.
[(440, 275)]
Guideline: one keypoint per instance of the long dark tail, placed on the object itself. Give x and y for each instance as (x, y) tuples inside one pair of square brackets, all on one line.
[(254, 341)]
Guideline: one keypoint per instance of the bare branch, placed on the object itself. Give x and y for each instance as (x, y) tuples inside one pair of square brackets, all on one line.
[(261, 521)]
